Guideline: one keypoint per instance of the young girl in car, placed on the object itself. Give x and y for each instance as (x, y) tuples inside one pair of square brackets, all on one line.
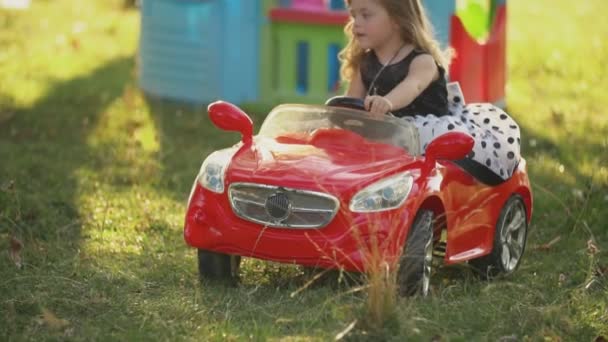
[(395, 65)]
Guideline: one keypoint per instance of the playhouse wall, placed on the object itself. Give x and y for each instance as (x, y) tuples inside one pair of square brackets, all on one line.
[(322, 34), (302, 59), (203, 50), (440, 13), (199, 51), (496, 59), (176, 49), (480, 67)]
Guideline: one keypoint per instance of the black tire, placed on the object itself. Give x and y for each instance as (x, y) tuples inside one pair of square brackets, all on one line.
[(510, 239), (217, 266), (414, 272)]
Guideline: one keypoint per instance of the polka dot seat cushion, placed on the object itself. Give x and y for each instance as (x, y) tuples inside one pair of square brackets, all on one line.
[(496, 134)]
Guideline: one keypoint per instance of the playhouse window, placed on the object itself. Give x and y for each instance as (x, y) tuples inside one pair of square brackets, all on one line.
[(302, 54), (333, 67)]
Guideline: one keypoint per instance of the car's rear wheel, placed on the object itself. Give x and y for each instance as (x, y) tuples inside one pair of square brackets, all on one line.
[(414, 275), (217, 266), (509, 241)]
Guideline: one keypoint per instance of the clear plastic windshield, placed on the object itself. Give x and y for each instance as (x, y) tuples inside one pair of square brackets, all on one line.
[(304, 119)]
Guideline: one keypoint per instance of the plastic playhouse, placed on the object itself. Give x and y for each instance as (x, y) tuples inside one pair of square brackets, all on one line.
[(278, 51)]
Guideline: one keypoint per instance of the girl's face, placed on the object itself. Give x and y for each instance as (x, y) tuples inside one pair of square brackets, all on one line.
[(372, 25)]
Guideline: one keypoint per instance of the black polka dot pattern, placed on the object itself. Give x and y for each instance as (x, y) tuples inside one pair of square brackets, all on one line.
[(493, 130)]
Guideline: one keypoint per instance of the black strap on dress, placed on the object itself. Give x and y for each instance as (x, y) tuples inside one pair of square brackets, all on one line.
[(432, 100)]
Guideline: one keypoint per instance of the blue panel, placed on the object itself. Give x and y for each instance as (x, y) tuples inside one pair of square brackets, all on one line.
[(200, 50), (302, 67), (178, 49), (440, 13), (240, 50), (333, 77), (337, 4)]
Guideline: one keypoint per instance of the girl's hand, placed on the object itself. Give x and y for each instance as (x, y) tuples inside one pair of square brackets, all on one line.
[(378, 105)]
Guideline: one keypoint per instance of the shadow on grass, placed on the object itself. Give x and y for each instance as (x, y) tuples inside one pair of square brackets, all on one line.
[(566, 195), (42, 147), (46, 142), (186, 137)]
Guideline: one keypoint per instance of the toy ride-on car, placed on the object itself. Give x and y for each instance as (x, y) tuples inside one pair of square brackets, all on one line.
[(322, 186)]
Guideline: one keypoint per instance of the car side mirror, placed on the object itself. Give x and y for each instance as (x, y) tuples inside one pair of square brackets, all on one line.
[(229, 117), (450, 146)]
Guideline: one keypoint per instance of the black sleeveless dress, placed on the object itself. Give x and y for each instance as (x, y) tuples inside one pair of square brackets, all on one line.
[(440, 109), (432, 100)]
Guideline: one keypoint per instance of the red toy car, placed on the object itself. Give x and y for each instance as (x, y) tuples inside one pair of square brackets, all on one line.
[(326, 185)]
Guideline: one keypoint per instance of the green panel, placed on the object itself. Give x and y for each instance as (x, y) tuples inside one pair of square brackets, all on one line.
[(286, 61), (286, 36), (319, 68), (476, 17)]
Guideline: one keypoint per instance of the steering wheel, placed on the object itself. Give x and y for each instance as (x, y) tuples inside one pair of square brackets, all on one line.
[(345, 101)]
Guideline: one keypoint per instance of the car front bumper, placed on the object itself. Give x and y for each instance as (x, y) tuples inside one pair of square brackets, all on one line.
[(350, 241)]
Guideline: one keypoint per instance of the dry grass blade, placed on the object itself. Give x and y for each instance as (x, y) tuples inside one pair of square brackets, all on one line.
[(548, 245), (592, 248), (308, 283), (15, 251), (52, 321), (346, 331)]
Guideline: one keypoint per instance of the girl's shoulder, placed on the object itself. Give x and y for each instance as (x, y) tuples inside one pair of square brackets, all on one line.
[(409, 57)]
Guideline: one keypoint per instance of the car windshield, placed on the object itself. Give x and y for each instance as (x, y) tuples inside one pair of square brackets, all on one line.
[(305, 119)]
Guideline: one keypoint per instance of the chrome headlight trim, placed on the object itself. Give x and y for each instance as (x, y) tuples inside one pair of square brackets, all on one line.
[(386, 194)]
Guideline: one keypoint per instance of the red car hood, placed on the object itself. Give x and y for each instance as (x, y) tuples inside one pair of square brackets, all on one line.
[(323, 165)]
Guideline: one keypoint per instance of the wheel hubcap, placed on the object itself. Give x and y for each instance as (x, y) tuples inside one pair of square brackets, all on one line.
[(513, 235)]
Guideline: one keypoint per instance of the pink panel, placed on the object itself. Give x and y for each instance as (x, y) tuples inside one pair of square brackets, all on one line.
[(313, 5)]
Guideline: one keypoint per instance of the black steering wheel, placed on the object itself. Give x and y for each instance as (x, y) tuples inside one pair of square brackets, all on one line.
[(345, 101)]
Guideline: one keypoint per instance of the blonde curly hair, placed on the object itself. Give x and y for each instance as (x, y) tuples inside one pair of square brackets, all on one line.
[(415, 28)]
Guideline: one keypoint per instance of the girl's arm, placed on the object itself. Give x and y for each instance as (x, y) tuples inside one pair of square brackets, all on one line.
[(356, 87), (423, 71)]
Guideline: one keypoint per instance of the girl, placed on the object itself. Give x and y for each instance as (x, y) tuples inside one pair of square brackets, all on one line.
[(394, 64)]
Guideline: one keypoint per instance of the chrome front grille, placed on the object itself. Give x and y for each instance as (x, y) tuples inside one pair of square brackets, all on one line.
[(280, 207)]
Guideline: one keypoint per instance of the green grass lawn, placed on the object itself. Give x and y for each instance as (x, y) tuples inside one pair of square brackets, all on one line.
[(94, 179)]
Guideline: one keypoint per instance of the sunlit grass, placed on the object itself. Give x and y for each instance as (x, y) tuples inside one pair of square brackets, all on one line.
[(100, 176)]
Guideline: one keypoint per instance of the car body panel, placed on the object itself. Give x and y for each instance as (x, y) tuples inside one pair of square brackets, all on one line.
[(340, 163)]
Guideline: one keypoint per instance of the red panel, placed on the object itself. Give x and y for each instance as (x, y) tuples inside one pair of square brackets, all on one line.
[(308, 17), (481, 67), (468, 65), (495, 58)]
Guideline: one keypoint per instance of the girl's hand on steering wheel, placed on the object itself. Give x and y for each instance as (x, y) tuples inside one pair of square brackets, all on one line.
[(378, 105)]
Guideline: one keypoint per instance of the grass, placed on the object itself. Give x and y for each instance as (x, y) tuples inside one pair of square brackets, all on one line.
[(94, 178)]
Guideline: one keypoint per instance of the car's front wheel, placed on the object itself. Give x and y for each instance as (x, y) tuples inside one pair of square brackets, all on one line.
[(509, 241), (217, 266), (414, 275)]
